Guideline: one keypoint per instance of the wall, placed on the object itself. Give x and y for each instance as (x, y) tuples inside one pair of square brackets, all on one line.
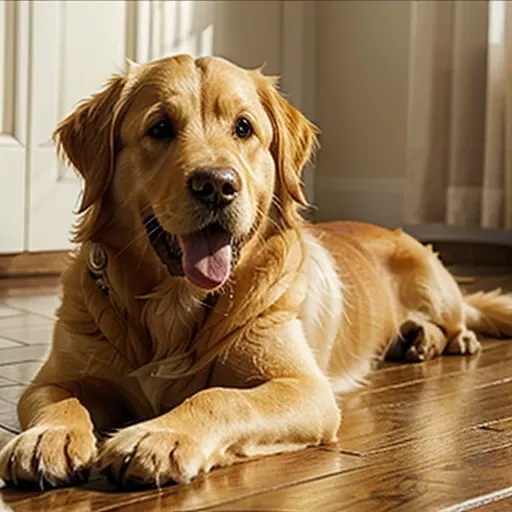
[(362, 64)]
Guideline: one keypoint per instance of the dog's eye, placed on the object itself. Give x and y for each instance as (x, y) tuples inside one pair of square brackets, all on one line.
[(163, 130), (243, 128)]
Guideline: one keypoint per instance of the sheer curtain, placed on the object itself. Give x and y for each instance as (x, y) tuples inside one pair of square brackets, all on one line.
[(459, 170)]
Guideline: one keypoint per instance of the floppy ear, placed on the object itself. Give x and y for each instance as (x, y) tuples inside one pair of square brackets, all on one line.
[(294, 142), (86, 139)]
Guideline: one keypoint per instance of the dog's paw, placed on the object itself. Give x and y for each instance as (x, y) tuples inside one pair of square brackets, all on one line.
[(417, 342), (48, 457), (145, 456), (465, 342)]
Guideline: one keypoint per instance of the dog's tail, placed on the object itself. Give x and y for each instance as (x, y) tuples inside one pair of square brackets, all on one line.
[(489, 313)]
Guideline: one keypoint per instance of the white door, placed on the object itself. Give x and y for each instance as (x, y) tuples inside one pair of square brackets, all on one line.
[(75, 46), (14, 37)]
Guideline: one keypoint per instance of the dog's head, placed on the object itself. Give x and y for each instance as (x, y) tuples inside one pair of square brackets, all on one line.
[(211, 150)]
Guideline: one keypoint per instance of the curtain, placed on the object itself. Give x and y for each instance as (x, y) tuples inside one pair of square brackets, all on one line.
[(459, 134)]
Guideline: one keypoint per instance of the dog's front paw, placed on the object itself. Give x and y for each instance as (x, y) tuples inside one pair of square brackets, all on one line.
[(144, 455), (49, 457)]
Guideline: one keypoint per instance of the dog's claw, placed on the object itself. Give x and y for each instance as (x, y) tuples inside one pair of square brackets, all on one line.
[(12, 473), (40, 480), (124, 468)]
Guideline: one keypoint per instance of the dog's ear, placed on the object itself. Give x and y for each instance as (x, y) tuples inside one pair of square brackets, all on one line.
[(294, 142), (86, 139)]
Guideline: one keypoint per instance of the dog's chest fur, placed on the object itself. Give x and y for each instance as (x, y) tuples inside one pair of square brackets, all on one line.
[(172, 316)]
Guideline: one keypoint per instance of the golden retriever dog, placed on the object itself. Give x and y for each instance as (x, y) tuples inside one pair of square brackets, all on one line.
[(203, 321)]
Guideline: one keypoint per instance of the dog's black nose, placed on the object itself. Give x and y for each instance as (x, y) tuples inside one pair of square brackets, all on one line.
[(214, 187)]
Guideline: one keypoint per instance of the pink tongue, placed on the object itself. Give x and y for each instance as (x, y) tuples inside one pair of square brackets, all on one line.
[(206, 258)]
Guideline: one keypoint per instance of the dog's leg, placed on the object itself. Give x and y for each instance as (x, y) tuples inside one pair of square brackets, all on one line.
[(57, 446), (431, 297), (292, 407)]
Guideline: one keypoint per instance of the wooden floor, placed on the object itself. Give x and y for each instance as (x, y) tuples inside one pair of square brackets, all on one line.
[(421, 437)]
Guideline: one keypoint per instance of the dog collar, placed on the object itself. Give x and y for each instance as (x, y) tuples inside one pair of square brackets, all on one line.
[(97, 261)]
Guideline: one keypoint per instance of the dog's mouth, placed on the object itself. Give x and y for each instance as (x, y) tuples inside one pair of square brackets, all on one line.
[(205, 257)]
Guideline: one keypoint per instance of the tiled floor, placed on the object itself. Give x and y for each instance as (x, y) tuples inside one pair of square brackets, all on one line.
[(27, 310), (424, 437)]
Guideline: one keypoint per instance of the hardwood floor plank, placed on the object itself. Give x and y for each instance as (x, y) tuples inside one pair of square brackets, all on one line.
[(419, 479), (501, 425), (493, 501), (395, 416), (207, 491)]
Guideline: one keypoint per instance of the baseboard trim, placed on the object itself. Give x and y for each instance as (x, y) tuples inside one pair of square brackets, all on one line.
[(28, 264), (472, 235)]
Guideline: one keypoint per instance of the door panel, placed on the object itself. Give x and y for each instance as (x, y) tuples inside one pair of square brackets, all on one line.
[(14, 32), (75, 47)]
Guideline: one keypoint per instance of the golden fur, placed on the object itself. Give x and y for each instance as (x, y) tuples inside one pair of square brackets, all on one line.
[(306, 311)]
